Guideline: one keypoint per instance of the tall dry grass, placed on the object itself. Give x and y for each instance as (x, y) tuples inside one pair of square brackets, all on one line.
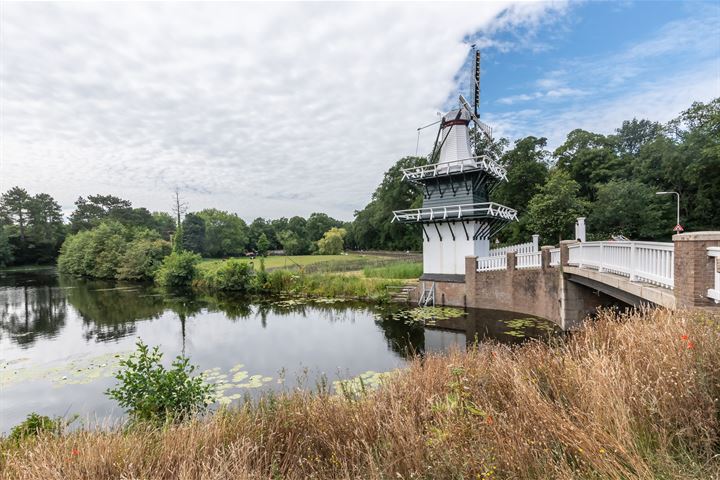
[(634, 396)]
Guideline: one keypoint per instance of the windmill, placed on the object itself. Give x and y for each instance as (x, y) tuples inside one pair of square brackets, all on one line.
[(462, 117), (457, 217)]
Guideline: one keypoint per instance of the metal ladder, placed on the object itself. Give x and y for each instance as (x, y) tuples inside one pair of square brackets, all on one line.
[(427, 298)]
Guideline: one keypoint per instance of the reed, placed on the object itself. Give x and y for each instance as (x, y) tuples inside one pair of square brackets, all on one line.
[(632, 396)]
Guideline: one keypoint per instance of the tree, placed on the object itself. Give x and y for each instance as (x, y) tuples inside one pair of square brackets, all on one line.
[(260, 227), (164, 224), (527, 171), (193, 233), (629, 208), (633, 134), (34, 225), (96, 208), (590, 159), (6, 257), (319, 223), (226, 234), (553, 211), (263, 244), (332, 242), (292, 244), (15, 205), (373, 229)]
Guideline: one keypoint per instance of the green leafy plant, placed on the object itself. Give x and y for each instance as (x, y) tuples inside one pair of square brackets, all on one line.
[(150, 392), (178, 269), (34, 425), (230, 275)]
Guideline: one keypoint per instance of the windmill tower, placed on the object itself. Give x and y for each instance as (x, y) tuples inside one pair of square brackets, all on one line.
[(457, 218)]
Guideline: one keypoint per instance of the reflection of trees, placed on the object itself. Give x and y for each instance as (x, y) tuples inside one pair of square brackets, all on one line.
[(28, 312), (109, 310)]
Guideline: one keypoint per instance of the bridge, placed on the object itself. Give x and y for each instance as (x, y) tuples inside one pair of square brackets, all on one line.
[(567, 283)]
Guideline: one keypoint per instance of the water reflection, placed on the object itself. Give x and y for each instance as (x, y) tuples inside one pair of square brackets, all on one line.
[(34, 309), (61, 338)]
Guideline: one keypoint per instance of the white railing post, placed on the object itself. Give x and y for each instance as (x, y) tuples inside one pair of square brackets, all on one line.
[(602, 262), (633, 262), (535, 242), (580, 255)]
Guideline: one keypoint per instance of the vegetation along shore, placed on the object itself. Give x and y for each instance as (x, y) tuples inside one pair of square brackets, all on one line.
[(632, 396)]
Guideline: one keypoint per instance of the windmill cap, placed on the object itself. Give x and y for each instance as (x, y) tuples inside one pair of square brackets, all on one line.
[(456, 117)]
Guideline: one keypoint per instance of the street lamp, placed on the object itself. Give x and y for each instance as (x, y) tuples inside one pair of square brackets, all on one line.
[(678, 205)]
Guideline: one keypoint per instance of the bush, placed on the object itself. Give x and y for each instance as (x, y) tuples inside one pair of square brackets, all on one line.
[(95, 253), (150, 392), (231, 275), (143, 258), (178, 269), (34, 425), (112, 250)]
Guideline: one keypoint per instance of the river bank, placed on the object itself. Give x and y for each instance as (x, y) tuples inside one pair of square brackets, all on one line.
[(630, 397)]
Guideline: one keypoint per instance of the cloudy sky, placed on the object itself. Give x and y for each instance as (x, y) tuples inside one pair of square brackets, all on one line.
[(285, 109)]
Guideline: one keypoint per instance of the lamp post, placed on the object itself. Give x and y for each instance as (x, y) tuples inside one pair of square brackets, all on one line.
[(678, 206)]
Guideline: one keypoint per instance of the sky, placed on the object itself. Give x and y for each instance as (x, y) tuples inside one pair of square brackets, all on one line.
[(279, 109)]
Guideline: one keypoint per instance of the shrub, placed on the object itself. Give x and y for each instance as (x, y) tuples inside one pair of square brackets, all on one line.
[(95, 253), (143, 258), (34, 425), (150, 392), (178, 269), (231, 275)]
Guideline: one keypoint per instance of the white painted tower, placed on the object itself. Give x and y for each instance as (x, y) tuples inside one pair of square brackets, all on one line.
[(457, 218)]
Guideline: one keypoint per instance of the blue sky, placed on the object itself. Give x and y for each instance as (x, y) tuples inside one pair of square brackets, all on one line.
[(275, 109), (599, 56)]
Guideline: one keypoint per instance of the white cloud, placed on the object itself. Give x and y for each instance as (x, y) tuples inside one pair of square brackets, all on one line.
[(263, 109), (659, 100)]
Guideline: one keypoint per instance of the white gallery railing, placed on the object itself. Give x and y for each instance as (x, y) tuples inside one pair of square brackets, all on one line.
[(529, 247), (714, 293), (650, 262), (487, 209), (456, 166), (488, 264), (554, 257)]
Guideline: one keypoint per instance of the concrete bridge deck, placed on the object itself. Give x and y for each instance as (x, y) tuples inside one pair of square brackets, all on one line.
[(568, 283)]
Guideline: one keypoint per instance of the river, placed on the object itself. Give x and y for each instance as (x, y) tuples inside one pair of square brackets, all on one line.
[(61, 340)]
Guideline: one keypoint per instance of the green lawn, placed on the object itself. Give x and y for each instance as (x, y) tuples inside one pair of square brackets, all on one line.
[(273, 262)]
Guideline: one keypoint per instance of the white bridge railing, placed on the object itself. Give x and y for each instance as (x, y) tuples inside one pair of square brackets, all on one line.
[(529, 247), (650, 262), (528, 260), (714, 293), (488, 264), (554, 257)]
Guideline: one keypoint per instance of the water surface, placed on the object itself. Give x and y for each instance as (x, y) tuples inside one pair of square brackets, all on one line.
[(61, 340)]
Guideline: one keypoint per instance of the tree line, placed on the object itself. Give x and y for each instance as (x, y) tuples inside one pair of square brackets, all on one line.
[(32, 230), (611, 179)]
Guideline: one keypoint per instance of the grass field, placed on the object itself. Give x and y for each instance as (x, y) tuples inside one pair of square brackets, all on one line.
[(631, 397), (296, 261)]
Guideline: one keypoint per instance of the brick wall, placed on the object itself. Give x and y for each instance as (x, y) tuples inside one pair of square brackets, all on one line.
[(694, 269)]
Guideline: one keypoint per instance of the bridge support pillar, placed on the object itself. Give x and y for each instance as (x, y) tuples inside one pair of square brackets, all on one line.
[(694, 270)]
